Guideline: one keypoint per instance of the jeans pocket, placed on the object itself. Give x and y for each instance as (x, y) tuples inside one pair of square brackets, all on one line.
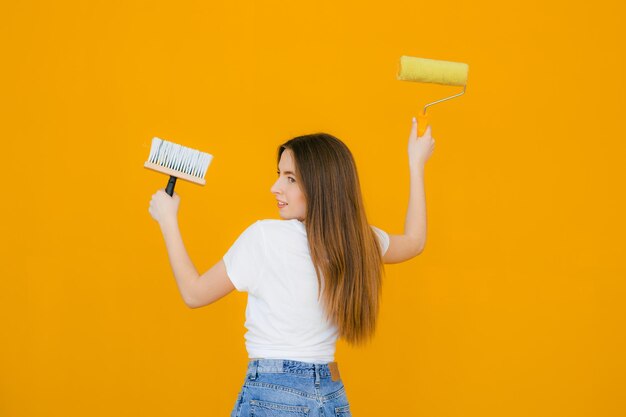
[(343, 411), (269, 409)]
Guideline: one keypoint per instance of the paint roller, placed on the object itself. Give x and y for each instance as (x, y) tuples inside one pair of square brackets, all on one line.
[(432, 71)]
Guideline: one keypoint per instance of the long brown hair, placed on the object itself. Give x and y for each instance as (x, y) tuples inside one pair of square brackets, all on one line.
[(343, 246)]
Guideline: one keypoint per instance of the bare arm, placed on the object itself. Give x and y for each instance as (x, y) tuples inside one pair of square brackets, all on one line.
[(412, 242), (415, 223), (185, 272), (196, 290)]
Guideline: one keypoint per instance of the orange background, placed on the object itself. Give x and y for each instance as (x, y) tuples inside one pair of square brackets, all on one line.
[(515, 308)]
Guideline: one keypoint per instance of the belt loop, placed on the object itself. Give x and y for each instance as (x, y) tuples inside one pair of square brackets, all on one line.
[(317, 375), (255, 369)]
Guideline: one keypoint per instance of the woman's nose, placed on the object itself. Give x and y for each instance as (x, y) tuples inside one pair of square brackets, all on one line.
[(274, 188)]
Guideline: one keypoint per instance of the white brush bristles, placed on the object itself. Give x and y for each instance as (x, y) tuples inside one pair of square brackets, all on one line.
[(179, 158)]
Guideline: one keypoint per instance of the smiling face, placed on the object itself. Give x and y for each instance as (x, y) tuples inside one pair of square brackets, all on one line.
[(287, 189)]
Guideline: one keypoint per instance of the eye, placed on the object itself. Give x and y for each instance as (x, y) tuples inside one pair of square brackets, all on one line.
[(289, 178)]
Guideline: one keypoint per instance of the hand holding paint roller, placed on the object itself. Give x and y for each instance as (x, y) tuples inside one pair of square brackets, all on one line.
[(432, 71), (420, 148)]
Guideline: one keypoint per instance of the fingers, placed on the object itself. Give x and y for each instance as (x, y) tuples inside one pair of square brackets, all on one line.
[(414, 127), (427, 132), (162, 192)]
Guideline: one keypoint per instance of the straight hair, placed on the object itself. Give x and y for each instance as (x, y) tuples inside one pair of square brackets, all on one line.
[(344, 249)]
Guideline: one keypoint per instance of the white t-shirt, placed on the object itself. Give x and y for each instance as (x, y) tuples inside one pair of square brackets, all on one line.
[(271, 261)]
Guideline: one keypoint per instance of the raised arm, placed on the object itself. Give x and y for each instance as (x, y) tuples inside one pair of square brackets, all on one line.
[(412, 242), (196, 290)]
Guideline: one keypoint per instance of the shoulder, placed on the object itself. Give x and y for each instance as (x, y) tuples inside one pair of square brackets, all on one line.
[(276, 222), (379, 232), (276, 225), (383, 238), (269, 222), (262, 227), (253, 232)]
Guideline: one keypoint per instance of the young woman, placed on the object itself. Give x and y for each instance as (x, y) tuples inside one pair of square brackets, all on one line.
[(312, 277)]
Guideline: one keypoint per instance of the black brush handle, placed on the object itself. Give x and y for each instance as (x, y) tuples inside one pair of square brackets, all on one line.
[(170, 186)]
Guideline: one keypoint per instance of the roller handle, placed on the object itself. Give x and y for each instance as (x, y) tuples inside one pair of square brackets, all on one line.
[(170, 186), (422, 124)]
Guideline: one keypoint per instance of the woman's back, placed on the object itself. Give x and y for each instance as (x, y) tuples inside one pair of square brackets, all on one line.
[(282, 263), (285, 319)]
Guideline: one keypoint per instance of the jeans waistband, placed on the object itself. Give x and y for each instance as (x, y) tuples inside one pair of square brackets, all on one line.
[(288, 366)]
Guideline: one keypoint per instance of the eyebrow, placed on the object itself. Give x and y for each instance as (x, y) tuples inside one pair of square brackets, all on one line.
[(287, 172)]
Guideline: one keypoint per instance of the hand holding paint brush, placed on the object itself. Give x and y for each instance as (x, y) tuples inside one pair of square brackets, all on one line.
[(178, 162), (163, 207)]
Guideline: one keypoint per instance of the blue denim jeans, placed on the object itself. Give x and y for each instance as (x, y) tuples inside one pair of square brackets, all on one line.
[(288, 388)]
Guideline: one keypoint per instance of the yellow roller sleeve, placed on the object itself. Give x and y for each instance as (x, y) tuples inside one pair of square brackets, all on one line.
[(432, 71)]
